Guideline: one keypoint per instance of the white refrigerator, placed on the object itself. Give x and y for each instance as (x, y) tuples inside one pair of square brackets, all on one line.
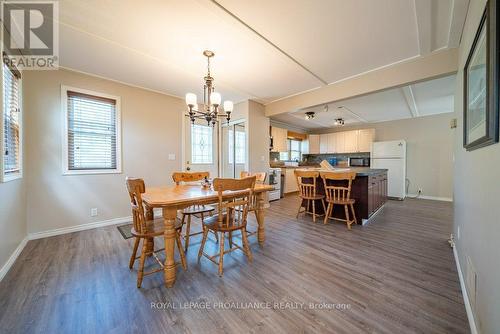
[(391, 155)]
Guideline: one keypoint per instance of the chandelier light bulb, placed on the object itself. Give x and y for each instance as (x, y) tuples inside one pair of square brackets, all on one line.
[(228, 106), (215, 98), (191, 99)]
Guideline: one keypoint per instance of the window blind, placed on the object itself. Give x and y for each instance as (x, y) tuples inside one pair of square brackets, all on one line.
[(92, 132), (11, 122)]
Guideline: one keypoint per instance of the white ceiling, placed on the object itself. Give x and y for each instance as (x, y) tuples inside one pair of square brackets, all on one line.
[(295, 45), (417, 100)]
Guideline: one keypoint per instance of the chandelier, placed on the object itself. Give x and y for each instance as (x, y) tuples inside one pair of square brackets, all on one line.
[(211, 100)]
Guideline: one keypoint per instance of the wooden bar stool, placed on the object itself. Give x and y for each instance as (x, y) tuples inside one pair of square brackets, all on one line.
[(227, 220), (184, 177), (307, 192), (337, 194), (146, 230)]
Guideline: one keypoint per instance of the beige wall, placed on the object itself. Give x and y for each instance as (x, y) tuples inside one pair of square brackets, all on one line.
[(429, 151), (151, 129), (258, 138), (477, 200)]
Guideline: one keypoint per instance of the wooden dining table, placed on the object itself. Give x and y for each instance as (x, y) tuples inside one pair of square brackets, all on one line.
[(174, 198)]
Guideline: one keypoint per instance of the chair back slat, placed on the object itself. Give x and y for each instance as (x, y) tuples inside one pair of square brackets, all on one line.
[(136, 188), (234, 197), (306, 182), (336, 192), (260, 178), (181, 177)]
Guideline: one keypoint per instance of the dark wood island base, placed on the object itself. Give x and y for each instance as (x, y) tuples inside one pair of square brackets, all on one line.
[(369, 189)]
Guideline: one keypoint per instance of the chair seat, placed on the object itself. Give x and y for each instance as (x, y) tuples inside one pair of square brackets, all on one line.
[(155, 228), (314, 197), (213, 224), (342, 202), (196, 209)]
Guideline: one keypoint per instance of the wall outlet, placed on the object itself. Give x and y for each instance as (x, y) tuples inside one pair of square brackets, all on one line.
[(419, 191), (171, 156), (93, 212)]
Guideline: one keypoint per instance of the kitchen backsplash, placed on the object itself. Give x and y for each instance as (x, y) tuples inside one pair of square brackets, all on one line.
[(317, 158)]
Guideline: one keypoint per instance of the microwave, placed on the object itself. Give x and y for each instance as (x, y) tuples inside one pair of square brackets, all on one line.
[(359, 162)]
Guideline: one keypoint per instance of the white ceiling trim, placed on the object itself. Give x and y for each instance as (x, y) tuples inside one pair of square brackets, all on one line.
[(359, 118), (423, 17), (410, 101), (269, 42), (120, 82)]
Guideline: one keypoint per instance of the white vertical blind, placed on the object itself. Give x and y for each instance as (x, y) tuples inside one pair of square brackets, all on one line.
[(92, 132), (11, 124)]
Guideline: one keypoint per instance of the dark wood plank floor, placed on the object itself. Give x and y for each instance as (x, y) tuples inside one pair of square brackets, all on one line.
[(396, 275)]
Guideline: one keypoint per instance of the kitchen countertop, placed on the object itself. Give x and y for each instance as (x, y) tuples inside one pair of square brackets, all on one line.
[(360, 171)]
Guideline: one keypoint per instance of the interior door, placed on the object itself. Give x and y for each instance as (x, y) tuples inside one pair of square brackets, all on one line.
[(200, 148), (233, 149)]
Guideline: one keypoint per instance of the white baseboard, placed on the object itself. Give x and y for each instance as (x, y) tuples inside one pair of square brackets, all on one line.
[(82, 227), (13, 257), (468, 308), (433, 198)]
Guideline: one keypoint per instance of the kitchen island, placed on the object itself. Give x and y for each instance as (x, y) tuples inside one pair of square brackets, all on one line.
[(369, 189)]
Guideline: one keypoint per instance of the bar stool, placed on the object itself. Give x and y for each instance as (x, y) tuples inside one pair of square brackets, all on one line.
[(307, 192), (339, 195)]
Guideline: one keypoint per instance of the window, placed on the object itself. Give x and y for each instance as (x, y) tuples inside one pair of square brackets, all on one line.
[(294, 151), (11, 125), (294, 147), (92, 136), (239, 151), (201, 144)]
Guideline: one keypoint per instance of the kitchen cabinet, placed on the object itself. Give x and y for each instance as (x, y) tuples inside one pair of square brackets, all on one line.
[(323, 144), (313, 144), (304, 146), (279, 139), (339, 142), (377, 192), (351, 141), (331, 142), (365, 139), (290, 181)]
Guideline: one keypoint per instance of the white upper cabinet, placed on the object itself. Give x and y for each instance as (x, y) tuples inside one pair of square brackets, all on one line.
[(351, 141), (313, 144), (279, 139), (365, 139), (339, 142), (323, 144), (331, 143)]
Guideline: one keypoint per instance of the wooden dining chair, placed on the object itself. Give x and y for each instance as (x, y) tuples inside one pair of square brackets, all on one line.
[(227, 220), (146, 230), (306, 181), (184, 177), (260, 178), (338, 192)]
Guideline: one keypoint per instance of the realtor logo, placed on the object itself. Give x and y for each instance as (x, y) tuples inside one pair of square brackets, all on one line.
[(30, 34)]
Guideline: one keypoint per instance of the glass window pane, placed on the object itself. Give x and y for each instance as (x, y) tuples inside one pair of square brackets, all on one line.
[(201, 144)]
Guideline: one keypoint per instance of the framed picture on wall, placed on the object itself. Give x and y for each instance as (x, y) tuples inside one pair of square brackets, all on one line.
[(481, 99)]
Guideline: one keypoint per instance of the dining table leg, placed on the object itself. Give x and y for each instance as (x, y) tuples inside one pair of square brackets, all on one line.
[(259, 213), (150, 242), (169, 216)]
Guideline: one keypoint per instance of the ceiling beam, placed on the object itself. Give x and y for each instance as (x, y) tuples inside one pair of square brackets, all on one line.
[(435, 65), (410, 101), (423, 15), (458, 14)]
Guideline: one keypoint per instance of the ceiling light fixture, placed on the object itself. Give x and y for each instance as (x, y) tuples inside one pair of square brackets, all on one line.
[(339, 121), (310, 115), (211, 100)]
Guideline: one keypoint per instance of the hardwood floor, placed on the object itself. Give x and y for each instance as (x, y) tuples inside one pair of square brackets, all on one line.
[(395, 275)]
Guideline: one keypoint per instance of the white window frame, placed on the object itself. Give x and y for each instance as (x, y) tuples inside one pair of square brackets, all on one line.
[(19, 175), (64, 108)]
